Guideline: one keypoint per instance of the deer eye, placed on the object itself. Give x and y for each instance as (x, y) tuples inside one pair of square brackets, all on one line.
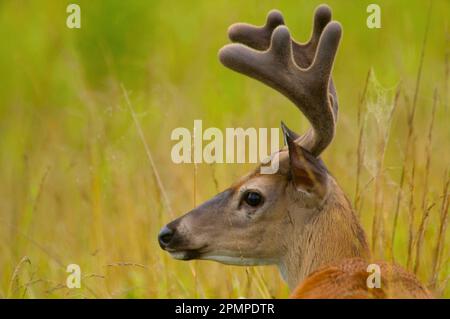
[(253, 199)]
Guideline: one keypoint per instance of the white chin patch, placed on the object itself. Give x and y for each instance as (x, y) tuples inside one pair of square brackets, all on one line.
[(239, 261), (180, 255)]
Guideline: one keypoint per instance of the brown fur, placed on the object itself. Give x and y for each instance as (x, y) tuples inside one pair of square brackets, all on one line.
[(347, 279)]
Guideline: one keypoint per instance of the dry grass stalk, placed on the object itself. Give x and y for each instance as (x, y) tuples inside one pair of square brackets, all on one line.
[(425, 210), (360, 148), (261, 284), (40, 189), (194, 267), (440, 239), (411, 210), (126, 264), (411, 117), (447, 73), (156, 175), (161, 192), (15, 275)]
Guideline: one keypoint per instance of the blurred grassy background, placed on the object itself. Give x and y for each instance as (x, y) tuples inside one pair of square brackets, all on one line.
[(76, 184)]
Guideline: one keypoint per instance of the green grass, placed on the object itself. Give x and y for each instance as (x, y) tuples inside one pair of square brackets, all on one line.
[(76, 182)]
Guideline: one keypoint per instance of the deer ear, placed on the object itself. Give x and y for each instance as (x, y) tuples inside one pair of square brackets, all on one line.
[(309, 174), (288, 132)]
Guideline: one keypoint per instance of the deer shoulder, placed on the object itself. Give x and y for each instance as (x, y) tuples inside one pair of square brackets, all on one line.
[(348, 279)]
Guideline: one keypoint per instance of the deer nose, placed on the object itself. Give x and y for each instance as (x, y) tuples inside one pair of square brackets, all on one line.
[(165, 236)]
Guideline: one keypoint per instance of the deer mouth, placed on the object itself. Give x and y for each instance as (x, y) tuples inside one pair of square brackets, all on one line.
[(177, 246), (186, 254)]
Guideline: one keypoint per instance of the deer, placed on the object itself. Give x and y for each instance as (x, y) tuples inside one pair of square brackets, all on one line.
[(299, 218)]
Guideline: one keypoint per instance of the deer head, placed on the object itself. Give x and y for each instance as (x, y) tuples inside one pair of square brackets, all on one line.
[(299, 218)]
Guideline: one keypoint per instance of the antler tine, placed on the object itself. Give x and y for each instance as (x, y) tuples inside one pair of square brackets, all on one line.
[(256, 37), (304, 52), (306, 87)]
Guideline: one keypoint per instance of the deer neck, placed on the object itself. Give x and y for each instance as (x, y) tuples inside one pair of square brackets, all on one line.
[(322, 237)]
